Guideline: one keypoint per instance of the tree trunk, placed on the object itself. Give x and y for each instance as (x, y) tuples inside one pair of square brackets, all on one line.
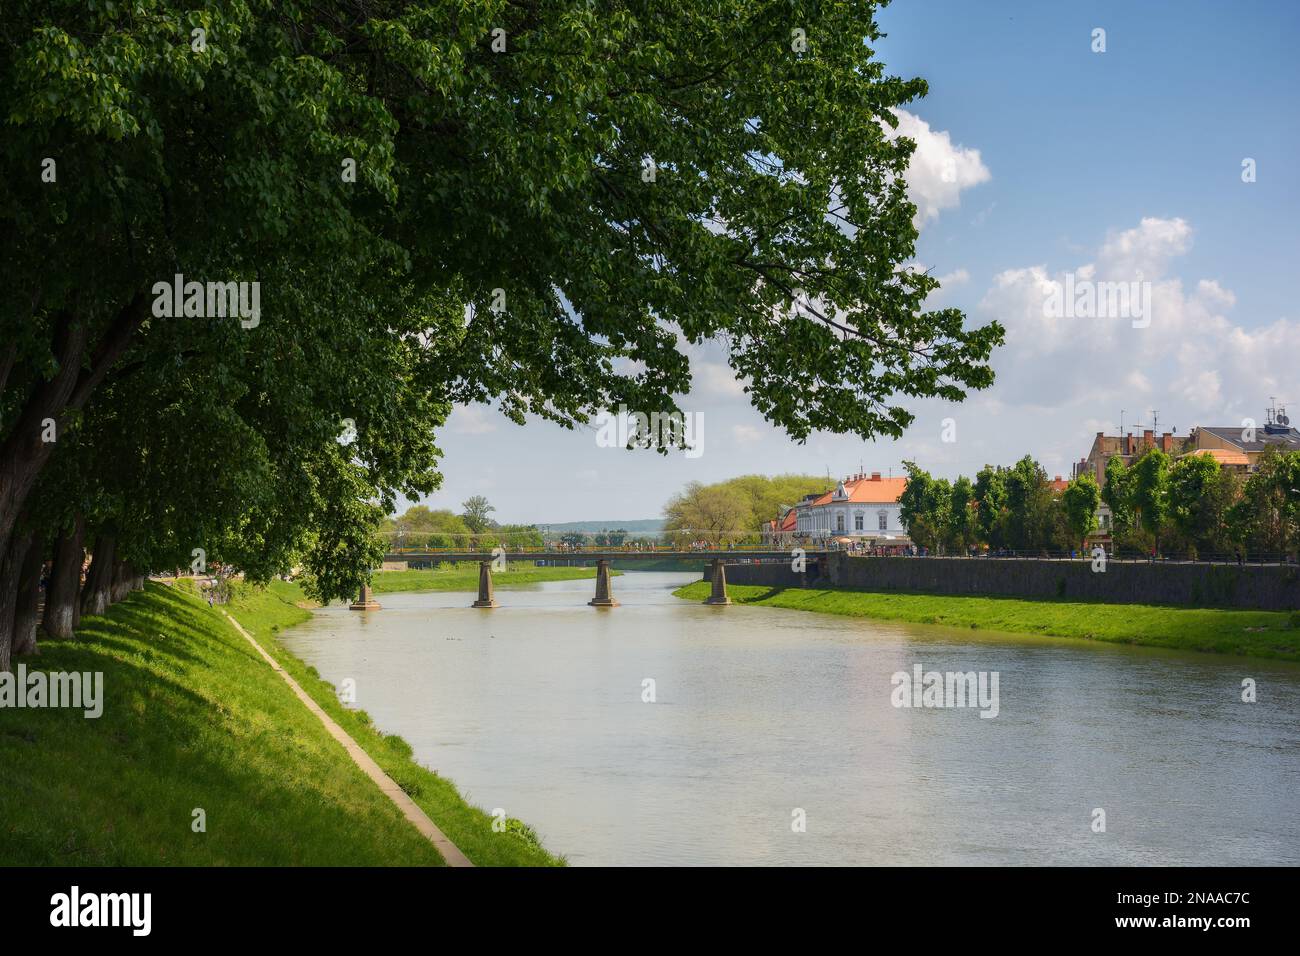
[(121, 585), (81, 368), (62, 597), (11, 565), (27, 604), (95, 595)]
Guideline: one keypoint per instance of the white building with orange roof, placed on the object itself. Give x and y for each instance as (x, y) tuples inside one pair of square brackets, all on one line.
[(861, 508)]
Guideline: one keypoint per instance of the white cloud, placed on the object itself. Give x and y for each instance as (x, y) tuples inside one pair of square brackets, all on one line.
[(472, 420), (718, 378), (1191, 362), (939, 170), (746, 434), (1144, 252)]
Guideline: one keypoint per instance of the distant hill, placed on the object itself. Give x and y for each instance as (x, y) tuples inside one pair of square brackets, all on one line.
[(642, 526)]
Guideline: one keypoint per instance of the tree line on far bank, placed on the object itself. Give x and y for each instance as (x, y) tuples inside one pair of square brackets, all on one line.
[(472, 529), (734, 511), (1193, 506), (1189, 506)]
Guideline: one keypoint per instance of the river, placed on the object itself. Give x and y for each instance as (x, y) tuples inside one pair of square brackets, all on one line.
[(773, 736)]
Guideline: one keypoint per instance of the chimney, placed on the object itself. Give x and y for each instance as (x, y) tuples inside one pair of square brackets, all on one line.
[(1057, 478), (1166, 442), (875, 476), (1148, 437)]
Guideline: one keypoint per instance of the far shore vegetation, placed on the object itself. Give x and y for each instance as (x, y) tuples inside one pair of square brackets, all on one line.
[(464, 577)]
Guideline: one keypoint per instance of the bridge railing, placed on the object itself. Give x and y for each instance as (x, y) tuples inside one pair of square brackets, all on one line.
[(596, 549)]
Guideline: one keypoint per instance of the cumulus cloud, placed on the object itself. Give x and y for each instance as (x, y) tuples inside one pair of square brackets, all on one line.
[(1191, 360), (1146, 251), (939, 169), (718, 378), (472, 420)]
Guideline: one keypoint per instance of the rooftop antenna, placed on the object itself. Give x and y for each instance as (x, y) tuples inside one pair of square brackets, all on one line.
[(1155, 422)]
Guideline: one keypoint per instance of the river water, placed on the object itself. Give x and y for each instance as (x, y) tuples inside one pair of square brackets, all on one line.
[(773, 737)]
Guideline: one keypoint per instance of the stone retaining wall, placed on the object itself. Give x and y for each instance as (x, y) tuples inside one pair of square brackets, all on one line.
[(1268, 587)]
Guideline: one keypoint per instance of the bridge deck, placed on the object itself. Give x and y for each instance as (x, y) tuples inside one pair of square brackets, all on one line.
[(422, 554)]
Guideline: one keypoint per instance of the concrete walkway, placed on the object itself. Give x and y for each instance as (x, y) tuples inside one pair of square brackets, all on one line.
[(450, 852)]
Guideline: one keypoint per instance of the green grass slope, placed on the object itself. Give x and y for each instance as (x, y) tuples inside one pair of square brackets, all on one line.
[(194, 719), (265, 612), (1272, 634)]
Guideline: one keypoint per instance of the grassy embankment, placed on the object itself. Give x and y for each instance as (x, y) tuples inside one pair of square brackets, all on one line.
[(464, 577), (194, 718), (1274, 634)]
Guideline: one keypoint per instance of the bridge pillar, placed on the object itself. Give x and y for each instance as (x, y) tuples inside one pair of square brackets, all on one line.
[(485, 598), (365, 601), (604, 596), (719, 595)]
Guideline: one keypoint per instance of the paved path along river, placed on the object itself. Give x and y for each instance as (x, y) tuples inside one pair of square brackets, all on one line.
[(762, 715)]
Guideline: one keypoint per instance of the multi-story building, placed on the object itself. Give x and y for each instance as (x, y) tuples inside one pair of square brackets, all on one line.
[(782, 531), (1235, 447), (1241, 447), (1129, 448), (861, 508)]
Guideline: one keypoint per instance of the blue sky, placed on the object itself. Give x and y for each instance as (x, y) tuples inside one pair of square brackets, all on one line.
[(1079, 142), (1106, 165)]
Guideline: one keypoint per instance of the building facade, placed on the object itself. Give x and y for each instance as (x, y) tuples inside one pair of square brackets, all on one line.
[(1129, 448), (1235, 447), (862, 508), (1242, 448)]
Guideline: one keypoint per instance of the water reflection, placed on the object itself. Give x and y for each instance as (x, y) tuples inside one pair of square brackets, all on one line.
[(536, 707)]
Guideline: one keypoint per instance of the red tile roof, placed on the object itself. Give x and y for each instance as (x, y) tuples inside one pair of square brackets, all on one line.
[(874, 491), (1223, 456)]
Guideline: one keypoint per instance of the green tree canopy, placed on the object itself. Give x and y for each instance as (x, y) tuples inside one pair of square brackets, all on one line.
[(1150, 492), (1118, 495), (1268, 513), (431, 217), (925, 505), (963, 530), (991, 505), (1200, 494), (1081, 499), (477, 513)]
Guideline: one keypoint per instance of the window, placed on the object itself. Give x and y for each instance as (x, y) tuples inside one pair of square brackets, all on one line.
[(883, 517), (839, 522), (857, 521)]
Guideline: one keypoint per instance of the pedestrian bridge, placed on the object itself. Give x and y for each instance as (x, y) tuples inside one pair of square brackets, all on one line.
[(718, 559)]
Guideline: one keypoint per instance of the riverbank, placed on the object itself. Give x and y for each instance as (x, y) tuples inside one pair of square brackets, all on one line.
[(1270, 634), (464, 577), (197, 728)]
